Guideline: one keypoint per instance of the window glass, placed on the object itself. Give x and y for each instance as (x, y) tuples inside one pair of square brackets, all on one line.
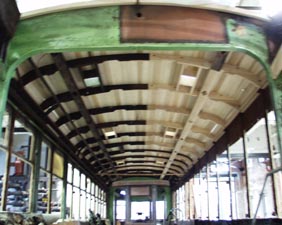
[(140, 210), (204, 194), (57, 187), (120, 209), (21, 141), (223, 186), (44, 156), (160, 210), (213, 191), (76, 177), (58, 165), (276, 160), (197, 193), (43, 186), (3, 155), (238, 180), (93, 188), (76, 203), (82, 205), (259, 164), (88, 185), (69, 179), (69, 201), (19, 186), (88, 205), (5, 121), (82, 181)]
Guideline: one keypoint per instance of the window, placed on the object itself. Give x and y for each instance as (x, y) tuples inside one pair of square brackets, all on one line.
[(276, 160), (259, 164), (213, 191), (238, 180), (57, 187), (224, 186), (140, 210)]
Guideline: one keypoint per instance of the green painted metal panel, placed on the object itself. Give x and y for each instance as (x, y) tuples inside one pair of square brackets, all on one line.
[(4, 87)]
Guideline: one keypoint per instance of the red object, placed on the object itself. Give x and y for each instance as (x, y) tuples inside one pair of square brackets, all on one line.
[(18, 167)]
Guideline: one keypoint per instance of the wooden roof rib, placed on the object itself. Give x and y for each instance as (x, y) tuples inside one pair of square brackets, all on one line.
[(148, 113)]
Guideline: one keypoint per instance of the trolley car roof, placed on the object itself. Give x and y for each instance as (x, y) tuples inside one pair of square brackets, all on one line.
[(131, 113)]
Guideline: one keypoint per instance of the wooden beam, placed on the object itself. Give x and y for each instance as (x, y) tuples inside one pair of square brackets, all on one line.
[(80, 62), (96, 111), (212, 117), (67, 76), (203, 131), (226, 100), (195, 142), (211, 79)]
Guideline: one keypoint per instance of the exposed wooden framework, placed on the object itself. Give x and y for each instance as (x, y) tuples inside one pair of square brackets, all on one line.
[(141, 113)]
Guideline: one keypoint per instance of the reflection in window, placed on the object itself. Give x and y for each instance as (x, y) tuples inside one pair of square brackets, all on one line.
[(258, 166)]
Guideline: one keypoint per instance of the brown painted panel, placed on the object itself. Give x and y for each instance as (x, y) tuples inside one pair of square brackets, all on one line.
[(171, 24)]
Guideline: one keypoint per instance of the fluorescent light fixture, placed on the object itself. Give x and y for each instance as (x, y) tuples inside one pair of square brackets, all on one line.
[(122, 192), (109, 133), (121, 162), (214, 128), (92, 82), (159, 162), (187, 80), (171, 132)]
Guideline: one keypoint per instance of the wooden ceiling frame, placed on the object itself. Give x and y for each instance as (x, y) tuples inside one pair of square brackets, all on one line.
[(67, 76)]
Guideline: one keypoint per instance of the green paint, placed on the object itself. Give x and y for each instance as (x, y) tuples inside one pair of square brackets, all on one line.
[(248, 38), (4, 87), (277, 95), (97, 29)]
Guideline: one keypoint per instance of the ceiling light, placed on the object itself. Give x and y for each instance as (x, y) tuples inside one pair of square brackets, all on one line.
[(159, 162), (187, 80), (121, 162), (171, 132), (109, 133), (214, 128), (92, 82)]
